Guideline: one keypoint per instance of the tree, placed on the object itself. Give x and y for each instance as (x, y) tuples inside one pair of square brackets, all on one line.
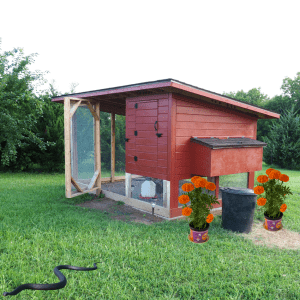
[(20, 107), (283, 147), (277, 104), (253, 96), (50, 125), (291, 88)]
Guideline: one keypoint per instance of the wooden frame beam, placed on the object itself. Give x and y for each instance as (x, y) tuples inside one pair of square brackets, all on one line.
[(76, 185), (97, 148), (67, 123), (73, 109), (68, 114)]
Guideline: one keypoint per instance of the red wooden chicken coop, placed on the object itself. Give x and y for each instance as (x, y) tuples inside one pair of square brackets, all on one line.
[(174, 131)]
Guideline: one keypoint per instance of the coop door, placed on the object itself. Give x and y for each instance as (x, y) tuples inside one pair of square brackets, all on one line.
[(82, 147), (142, 127)]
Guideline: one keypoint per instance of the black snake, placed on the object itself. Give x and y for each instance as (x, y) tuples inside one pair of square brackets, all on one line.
[(54, 286)]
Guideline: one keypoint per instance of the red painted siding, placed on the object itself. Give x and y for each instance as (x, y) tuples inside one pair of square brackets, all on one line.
[(194, 118)]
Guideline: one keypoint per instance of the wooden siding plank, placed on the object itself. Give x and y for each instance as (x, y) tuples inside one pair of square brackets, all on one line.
[(146, 98)]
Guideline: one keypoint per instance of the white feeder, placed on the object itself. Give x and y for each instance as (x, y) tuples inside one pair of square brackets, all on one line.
[(148, 189)]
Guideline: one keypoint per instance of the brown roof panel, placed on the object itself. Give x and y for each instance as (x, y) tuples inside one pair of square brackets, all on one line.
[(118, 95)]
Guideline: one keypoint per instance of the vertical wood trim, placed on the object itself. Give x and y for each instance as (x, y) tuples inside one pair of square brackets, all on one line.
[(174, 180), (67, 124), (97, 148), (251, 175), (113, 146)]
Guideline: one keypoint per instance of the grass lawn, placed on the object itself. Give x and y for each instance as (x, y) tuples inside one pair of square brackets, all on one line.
[(41, 229)]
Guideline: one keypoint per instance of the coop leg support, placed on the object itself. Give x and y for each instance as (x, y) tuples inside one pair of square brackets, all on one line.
[(128, 185), (166, 194)]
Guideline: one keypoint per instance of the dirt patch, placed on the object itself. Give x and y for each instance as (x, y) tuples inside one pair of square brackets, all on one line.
[(118, 211), (283, 239)]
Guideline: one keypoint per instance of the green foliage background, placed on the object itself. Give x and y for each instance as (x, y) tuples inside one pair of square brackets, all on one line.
[(32, 127)]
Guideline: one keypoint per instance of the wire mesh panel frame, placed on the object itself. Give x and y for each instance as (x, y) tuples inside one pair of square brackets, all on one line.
[(95, 183)]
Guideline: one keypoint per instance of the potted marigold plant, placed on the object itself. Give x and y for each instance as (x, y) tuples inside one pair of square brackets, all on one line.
[(198, 212), (273, 201)]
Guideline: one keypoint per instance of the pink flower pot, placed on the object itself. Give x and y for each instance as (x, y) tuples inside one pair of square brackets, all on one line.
[(198, 236), (273, 224)]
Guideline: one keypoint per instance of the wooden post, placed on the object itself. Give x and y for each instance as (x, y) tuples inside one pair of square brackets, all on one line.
[(97, 149), (67, 147), (174, 192), (251, 176), (113, 146), (217, 186)]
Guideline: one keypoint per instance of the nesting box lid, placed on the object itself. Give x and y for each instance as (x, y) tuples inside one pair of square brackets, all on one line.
[(216, 143)]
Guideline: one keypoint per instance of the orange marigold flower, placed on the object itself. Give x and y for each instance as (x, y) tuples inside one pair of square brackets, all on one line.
[(195, 178), (187, 187), (209, 218), (262, 178), (283, 207), (187, 211), (269, 171), (183, 199), (284, 178), (200, 182), (274, 174), (261, 201), (210, 186), (258, 190)]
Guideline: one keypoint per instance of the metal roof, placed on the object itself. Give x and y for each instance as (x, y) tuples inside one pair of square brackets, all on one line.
[(216, 143)]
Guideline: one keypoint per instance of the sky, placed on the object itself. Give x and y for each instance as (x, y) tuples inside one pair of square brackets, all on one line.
[(220, 46)]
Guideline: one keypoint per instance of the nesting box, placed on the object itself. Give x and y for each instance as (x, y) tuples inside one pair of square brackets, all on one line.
[(173, 131), (215, 156)]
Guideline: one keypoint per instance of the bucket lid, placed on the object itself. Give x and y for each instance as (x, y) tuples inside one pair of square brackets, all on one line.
[(239, 191)]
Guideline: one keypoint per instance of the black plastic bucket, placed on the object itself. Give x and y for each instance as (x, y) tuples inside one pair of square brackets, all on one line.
[(238, 206)]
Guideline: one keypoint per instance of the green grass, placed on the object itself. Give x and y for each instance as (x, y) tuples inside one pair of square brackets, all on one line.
[(41, 229)]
